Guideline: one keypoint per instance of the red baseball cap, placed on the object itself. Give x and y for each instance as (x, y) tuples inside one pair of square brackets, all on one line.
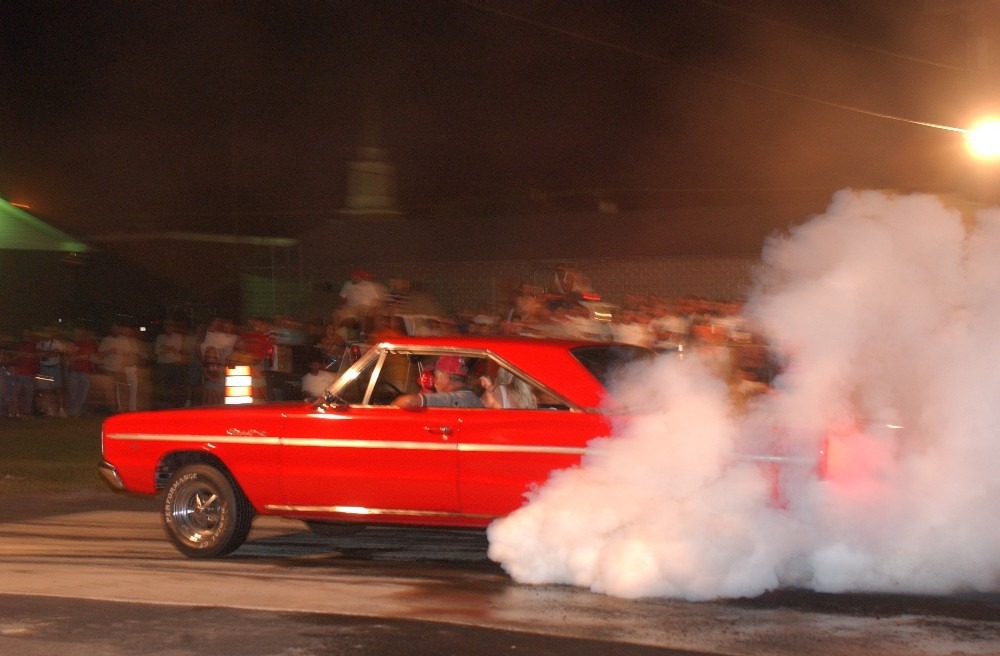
[(452, 364)]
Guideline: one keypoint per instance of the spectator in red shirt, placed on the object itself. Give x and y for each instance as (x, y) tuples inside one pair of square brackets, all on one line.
[(21, 382)]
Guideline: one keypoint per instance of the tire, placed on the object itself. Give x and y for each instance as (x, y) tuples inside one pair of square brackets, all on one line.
[(205, 514)]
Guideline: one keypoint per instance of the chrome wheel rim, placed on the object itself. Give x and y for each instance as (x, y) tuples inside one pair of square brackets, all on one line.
[(197, 513)]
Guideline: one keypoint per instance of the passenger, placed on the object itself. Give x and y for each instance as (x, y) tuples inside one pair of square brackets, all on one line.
[(451, 384), (508, 391)]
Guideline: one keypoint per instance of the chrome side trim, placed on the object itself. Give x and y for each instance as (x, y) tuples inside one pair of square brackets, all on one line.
[(368, 444), (356, 511), (432, 446), (317, 442), (513, 448), (215, 439)]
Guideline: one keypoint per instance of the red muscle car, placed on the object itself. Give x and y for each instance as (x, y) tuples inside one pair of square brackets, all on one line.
[(353, 459)]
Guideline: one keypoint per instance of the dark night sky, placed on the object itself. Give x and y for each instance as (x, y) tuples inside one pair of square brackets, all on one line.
[(152, 115)]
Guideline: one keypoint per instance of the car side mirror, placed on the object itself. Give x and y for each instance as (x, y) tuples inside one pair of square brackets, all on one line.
[(334, 401)]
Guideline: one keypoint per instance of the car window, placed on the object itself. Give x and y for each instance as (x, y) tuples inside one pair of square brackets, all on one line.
[(547, 401), (513, 391), (399, 374)]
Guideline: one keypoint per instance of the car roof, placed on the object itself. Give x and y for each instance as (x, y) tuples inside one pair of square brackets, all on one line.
[(549, 361)]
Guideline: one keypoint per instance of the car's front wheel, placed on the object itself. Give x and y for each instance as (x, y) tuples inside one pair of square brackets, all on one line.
[(205, 513)]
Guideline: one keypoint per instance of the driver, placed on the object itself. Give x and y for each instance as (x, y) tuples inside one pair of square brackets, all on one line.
[(451, 384)]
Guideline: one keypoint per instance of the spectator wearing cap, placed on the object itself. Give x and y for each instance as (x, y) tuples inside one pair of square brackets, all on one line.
[(451, 385)]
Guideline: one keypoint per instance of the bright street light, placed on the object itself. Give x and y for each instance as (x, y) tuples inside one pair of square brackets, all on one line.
[(983, 139)]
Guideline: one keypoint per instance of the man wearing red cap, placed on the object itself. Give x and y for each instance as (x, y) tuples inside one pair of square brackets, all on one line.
[(451, 384)]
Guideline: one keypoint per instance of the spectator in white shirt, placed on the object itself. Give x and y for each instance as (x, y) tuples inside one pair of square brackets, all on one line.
[(316, 381)]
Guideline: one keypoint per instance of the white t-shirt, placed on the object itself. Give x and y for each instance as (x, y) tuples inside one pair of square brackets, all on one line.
[(118, 352), (223, 343), (361, 294), (172, 355), (315, 384)]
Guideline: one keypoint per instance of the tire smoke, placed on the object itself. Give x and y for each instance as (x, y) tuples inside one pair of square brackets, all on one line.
[(885, 309)]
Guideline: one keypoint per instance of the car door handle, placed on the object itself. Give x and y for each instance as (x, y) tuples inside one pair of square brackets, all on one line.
[(444, 431)]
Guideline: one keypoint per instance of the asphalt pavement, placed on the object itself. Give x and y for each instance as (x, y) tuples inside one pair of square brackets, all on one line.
[(44, 626)]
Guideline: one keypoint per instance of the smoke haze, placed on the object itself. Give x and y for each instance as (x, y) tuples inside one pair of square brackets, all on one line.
[(887, 311)]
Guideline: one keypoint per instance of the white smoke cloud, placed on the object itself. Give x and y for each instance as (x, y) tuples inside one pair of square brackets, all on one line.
[(888, 310)]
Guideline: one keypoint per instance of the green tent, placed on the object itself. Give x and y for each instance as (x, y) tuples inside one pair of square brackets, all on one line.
[(41, 281), (21, 231)]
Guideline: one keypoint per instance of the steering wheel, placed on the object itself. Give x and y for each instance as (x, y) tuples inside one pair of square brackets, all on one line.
[(384, 393)]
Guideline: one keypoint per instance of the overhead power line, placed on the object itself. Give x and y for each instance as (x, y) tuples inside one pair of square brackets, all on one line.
[(832, 39), (704, 71)]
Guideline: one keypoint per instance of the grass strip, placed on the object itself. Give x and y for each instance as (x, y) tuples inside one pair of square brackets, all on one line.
[(48, 454)]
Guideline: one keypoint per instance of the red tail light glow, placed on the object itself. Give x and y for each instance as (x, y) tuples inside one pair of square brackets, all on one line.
[(856, 460)]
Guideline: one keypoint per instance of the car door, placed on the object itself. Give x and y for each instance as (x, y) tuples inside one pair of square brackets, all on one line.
[(504, 453), (367, 456)]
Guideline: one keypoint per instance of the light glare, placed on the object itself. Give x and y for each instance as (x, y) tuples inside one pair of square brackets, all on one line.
[(984, 139)]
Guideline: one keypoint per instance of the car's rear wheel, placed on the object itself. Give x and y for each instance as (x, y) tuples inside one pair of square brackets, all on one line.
[(205, 513)]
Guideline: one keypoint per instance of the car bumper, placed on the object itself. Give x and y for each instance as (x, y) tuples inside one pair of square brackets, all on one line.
[(110, 476)]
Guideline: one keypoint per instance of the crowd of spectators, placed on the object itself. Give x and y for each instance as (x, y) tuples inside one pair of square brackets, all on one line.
[(64, 372), (715, 330), (568, 307)]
